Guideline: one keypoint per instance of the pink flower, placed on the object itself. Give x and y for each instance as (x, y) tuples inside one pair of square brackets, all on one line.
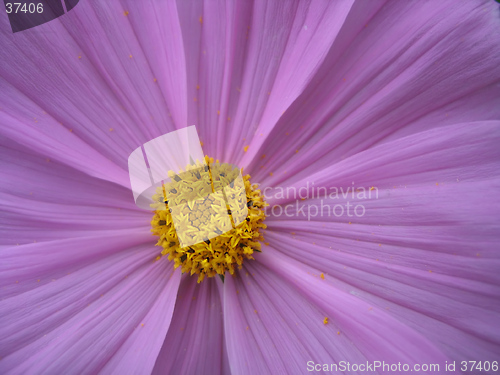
[(397, 97)]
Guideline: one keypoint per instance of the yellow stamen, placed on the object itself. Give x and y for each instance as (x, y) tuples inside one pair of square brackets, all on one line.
[(196, 201)]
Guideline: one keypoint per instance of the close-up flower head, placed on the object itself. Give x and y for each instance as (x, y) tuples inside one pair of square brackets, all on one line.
[(249, 187)]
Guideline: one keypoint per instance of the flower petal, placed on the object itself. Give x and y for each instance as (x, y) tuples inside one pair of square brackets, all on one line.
[(271, 328), (372, 331), (194, 341), (22, 266), (241, 58), (407, 67), (467, 152), (65, 326), (424, 245), (110, 90), (140, 352), (45, 200)]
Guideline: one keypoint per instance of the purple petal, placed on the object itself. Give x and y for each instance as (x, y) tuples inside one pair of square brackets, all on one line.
[(22, 266), (467, 152), (405, 68), (271, 328), (194, 341), (242, 73), (102, 88), (79, 322), (140, 352), (371, 329), (426, 246), (46, 200)]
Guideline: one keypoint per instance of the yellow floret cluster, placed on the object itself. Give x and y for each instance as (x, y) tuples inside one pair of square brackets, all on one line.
[(208, 203)]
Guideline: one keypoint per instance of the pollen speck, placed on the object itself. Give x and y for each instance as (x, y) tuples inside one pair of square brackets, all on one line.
[(201, 19), (125, 13), (245, 148), (325, 321), (322, 275)]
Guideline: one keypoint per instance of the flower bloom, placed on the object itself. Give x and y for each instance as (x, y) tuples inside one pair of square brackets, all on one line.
[(336, 99)]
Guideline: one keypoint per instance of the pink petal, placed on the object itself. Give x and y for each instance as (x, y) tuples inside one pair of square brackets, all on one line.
[(84, 340), (194, 341), (242, 72), (371, 329), (467, 152), (102, 87), (140, 352), (405, 68), (426, 246), (22, 266), (45, 200), (271, 328)]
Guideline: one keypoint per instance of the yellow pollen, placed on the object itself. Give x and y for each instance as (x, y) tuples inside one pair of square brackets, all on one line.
[(322, 275), (245, 148), (325, 321), (210, 194), (126, 13)]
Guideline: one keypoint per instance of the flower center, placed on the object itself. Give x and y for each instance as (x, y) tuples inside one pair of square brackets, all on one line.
[(208, 219)]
